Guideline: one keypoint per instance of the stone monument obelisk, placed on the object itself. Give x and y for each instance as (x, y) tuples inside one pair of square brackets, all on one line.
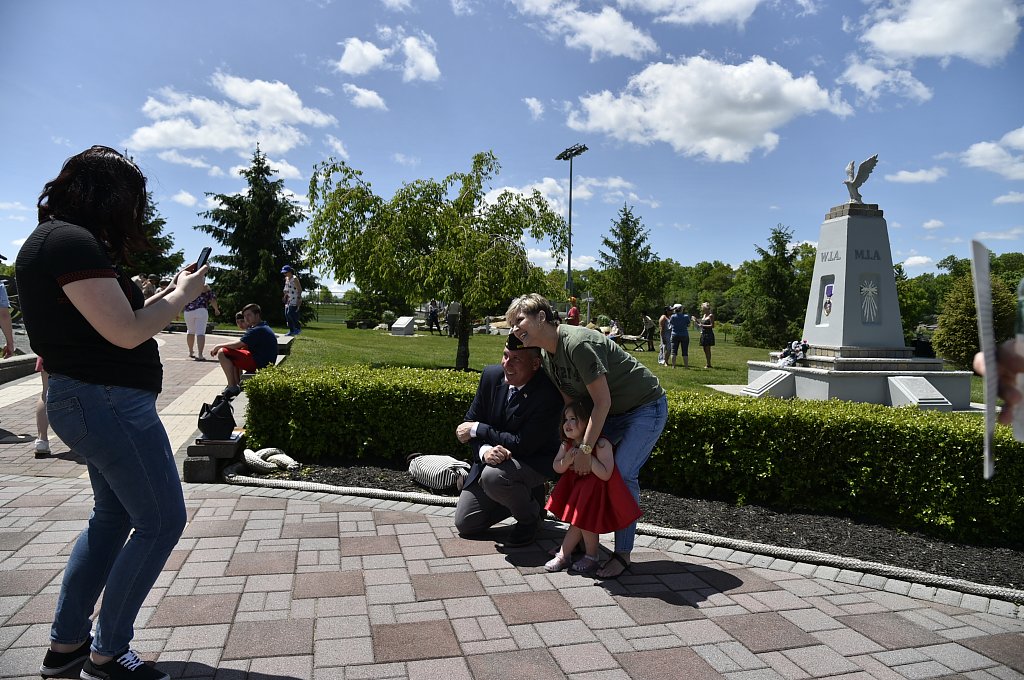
[(853, 326)]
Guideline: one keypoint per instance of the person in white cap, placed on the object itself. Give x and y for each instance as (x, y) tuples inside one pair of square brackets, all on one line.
[(292, 298)]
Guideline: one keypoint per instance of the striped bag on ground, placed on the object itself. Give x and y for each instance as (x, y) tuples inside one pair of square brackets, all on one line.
[(440, 473)]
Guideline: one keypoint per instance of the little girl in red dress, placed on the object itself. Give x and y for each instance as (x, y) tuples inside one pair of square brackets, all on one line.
[(593, 504)]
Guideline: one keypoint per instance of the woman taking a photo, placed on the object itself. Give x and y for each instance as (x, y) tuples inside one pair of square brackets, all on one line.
[(95, 328), (630, 407)]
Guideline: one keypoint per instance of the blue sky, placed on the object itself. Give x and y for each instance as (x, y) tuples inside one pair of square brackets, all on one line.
[(715, 119)]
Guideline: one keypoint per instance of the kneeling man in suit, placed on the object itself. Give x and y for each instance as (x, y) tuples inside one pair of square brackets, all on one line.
[(512, 431)]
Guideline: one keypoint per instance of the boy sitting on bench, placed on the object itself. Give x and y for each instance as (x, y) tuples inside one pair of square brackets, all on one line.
[(256, 348)]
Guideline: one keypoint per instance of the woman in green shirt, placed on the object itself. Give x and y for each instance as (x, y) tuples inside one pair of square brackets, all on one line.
[(630, 407)]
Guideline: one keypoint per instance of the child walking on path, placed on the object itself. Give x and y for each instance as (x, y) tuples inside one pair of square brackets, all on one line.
[(593, 504)]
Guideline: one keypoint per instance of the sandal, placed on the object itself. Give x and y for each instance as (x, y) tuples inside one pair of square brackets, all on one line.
[(558, 563), (618, 558), (586, 565)]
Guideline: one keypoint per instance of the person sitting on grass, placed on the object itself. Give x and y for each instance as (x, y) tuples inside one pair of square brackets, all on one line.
[(254, 350)]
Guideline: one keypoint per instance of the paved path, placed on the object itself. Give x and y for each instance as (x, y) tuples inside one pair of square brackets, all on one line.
[(270, 583)]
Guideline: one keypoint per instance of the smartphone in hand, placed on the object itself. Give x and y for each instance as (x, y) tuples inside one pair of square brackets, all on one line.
[(204, 255)]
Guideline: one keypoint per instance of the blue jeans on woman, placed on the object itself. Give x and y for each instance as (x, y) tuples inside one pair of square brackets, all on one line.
[(136, 490), (634, 433), (291, 315)]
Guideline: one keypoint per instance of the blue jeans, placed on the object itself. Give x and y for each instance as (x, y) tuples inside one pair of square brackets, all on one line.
[(634, 434), (135, 489), (291, 315)]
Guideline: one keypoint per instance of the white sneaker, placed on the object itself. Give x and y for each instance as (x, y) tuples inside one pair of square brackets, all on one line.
[(42, 448)]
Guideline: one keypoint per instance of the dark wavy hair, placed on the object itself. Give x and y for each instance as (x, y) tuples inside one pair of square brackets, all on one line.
[(580, 408), (104, 192)]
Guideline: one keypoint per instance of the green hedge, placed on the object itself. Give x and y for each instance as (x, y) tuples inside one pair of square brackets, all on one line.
[(918, 470)]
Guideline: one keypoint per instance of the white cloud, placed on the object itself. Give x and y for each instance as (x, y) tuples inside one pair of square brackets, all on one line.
[(13, 205), (184, 198), (604, 33), (998, 156), (933, 224), (363, 98), (873, 78), (177, 158), (257, 111), (545, 259), (402, 159), (462, 8), (982, 31), (284, 169), (917, 261), (320, 89), (535, 106), (361, 57), (1008, 235), (928, 176), (1012, 197), (420, 63), (554, 191), (397, 5), (689, 12), (706, 108), (336, 145)]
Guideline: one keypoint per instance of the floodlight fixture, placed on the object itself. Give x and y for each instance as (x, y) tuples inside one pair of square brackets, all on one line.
[(568, 155)]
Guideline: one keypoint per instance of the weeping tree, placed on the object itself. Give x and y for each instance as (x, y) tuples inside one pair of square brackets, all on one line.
[(254, 226), (431, 239)]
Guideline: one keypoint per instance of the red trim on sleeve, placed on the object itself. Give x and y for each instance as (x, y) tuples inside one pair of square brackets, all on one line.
[(71, 277)]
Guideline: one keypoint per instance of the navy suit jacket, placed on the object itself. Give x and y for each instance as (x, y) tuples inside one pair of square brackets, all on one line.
[(527, 426)]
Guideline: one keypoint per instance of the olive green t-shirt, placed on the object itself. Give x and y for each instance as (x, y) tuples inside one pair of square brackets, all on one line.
[(583, 355)]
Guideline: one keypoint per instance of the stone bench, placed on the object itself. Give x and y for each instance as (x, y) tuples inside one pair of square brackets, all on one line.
[(284, 348)]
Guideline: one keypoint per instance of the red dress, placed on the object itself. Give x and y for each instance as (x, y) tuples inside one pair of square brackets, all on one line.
[(592, 504)]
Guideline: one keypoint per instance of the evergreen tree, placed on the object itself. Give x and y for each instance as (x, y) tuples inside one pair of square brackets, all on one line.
[(772, 310), (254, 226), (160, 260), (633, 279), (956, 338)]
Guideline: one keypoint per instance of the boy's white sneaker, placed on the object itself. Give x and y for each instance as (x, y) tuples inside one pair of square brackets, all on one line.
[(42, 448)]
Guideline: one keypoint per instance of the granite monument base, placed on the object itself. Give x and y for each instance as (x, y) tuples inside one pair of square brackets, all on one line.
[(889, 375)]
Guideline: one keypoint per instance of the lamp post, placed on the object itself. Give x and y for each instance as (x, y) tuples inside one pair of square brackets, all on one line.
[(568, 155)]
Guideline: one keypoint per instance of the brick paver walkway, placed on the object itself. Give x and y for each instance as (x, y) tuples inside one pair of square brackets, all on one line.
[(269, 583)]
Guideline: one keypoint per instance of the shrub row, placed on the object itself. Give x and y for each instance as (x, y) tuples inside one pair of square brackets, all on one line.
[(918, 470)]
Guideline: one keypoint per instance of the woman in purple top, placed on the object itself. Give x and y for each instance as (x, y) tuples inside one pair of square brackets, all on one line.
[(196, 316)]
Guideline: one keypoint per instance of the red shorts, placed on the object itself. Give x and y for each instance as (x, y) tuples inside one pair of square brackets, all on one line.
[(241, 358)]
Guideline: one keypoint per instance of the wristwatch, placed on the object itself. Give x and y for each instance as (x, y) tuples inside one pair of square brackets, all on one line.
[(585, 448)]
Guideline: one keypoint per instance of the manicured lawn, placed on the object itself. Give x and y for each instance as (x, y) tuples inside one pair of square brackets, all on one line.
[(334, 344)]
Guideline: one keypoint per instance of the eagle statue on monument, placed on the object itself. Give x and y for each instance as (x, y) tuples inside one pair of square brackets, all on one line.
[(853, 184)]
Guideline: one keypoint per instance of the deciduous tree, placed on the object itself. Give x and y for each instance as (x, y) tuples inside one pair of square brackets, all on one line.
[(432, 238), (773, 310)]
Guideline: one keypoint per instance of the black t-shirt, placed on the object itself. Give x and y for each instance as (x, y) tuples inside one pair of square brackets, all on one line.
[(58, 253)]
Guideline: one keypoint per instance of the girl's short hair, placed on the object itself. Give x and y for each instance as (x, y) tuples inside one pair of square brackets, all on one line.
[(530, 304), (104, 192), (581, 408)]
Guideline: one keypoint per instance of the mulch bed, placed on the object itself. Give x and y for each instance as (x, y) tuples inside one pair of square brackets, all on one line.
[(996, 566)]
